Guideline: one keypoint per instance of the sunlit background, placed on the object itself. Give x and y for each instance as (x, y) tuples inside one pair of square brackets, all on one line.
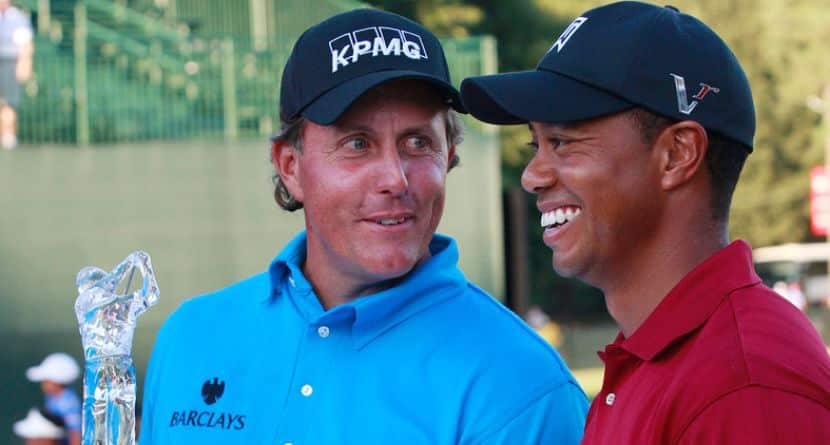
[(146, 124)]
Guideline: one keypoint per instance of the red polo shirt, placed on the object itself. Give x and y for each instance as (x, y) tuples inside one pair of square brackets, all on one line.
[(721, 360)]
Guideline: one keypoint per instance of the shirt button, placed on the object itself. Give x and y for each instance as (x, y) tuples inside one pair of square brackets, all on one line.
[(288, 443), (609, 399), (306, 390), (323, 331), (291, 281)]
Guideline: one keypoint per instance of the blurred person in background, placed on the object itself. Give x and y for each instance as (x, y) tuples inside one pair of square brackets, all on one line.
[(39, 427), (363, 329), (642, 119), (55, 374), (792, 293), (544, 326), (16, 50)]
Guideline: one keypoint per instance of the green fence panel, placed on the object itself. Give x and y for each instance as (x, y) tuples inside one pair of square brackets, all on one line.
[(116, 71)]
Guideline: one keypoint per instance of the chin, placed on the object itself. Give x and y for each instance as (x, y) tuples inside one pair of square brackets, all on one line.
[(563, 267), (391, 265)]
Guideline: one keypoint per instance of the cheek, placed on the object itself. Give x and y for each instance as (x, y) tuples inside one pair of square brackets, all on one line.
[(427, 180), (319, 180)]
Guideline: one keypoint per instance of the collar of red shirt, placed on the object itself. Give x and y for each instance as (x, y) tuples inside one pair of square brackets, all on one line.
[(690, 303)]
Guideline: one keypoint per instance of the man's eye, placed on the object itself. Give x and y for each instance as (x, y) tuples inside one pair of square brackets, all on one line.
[(556, 143), (417, 142), (357, 144), (533, 145)]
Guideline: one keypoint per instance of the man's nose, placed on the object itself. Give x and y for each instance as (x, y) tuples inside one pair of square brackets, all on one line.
[(392, 174), (539, 174)]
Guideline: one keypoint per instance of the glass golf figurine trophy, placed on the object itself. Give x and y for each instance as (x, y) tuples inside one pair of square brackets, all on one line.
[(107, 309)]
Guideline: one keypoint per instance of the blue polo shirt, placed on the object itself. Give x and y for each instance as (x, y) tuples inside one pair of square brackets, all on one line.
[(433, 360), (67, 406)]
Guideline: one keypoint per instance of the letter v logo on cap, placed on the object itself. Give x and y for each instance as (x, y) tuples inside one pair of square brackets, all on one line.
[(683, 104)]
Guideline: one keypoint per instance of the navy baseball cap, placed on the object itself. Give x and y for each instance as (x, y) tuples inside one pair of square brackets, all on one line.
[(619, 56), (334, 62)]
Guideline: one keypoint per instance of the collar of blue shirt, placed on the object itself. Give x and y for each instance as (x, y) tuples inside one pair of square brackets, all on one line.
[(433, 282)]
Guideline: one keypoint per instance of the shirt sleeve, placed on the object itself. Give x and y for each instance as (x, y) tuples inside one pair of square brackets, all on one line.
[(760, 416), (556, 417)]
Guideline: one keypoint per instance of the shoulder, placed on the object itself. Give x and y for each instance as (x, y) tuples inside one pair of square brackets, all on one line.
[(67, 401), (779, 345), (515, 370), (754, 338), (196, 320), (508, 339), (524, 390), (204, 328), (226, 303), (759, 415)]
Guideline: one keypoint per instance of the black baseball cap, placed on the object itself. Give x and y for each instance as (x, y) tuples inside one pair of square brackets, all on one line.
[(620, 56), (334, 62)]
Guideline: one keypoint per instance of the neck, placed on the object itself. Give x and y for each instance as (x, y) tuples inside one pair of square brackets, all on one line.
[(649, 276), (333, 290)]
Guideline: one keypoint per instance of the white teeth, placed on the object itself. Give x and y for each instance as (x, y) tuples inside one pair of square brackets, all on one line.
[(560, 216), (572, 213), (392, 221), (548, 218)]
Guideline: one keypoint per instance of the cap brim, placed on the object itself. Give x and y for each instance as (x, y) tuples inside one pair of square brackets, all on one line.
[(34, 374), (541, 96), (35, 426), (326, 109)]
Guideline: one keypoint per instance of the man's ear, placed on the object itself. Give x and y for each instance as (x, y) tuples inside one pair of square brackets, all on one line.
[(286, 162), (683, 149)]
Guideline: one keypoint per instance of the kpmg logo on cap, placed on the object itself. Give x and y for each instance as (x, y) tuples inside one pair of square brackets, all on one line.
[(567, 33), (683, 104), (375, 41)]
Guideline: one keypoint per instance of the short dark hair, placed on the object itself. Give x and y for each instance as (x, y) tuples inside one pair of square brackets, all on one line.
[(291, 133), (725, 157)]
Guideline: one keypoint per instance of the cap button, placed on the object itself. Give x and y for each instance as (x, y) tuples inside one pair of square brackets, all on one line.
[(673, 8)]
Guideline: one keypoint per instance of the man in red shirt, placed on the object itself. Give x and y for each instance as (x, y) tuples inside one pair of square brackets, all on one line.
[(642, 119)]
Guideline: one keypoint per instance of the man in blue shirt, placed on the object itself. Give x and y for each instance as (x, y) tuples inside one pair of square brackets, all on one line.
[(363, 329), (55, 374)]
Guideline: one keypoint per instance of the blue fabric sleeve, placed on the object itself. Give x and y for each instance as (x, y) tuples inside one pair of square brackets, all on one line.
[(558, 417)]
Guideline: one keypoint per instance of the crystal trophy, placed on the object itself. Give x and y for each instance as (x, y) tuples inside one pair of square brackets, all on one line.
[(107, 311)]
